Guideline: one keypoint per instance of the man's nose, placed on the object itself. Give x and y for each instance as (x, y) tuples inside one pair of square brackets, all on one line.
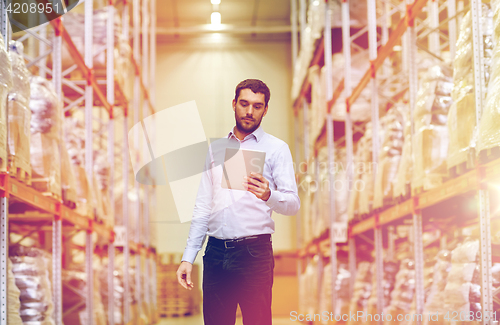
[(250, 110)]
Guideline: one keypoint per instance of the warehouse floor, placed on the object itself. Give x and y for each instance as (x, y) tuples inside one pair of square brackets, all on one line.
[(198, 320)]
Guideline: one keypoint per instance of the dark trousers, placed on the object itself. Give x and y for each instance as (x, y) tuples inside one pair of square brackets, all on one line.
[(241, 275)]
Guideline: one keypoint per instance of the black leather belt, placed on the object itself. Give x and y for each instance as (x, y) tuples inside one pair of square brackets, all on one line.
[(232, 243)]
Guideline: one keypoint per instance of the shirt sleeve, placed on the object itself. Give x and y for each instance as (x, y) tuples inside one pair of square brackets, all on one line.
[(284, 199), (201, 214)]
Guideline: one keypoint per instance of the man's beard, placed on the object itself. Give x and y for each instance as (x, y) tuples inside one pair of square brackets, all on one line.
[(247, 129)]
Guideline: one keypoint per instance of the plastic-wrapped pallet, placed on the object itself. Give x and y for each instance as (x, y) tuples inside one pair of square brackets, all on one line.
[(462, 114), (389, 280), (405, 168), (357, 182), (101, 172), (74, 136), (19, 114), (402, 295), (362, 290), (5, 87), (430, 141), (45, 136), (13, 294), (317, 106), (366, 195), (341, 289), (390, 156), (31, 269), (488, 135), (308, 294), (435, 297), (68, 180), (461, 285), (118, 292)]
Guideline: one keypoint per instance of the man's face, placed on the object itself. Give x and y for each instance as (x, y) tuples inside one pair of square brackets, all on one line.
[(249, 110)]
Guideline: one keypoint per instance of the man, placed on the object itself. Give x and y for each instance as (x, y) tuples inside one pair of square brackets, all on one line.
[(238, 263)]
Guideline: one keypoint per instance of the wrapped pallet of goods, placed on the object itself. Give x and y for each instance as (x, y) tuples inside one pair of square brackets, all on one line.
[(357, 182), (402, 295), (19, 116), (74, 24), (101, 172), (341, 291), (5, 87), (366, 195), (32, 272), (74, 136), (362, 290), (389, 157), (118, 292), (13, 294), (68, 180), (391, 268), (435, 297), (488, 136), (308, 288), (402, 189), (45, 137), (430, 141), (462, 114)]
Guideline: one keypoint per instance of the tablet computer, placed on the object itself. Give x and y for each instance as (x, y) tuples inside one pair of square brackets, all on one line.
[(239, 163)]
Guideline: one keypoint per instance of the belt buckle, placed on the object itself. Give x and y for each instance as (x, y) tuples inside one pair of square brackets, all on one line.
[(227, 241)]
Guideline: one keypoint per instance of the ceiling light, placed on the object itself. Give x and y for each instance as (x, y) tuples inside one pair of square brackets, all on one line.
[(215, 2), (215, 18)]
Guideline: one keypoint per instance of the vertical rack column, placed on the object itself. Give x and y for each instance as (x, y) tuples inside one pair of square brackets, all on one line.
[(483, 193), (125, 172), (136, 107), (327, 38), (110, 96), (372, 49), (57, 222), (89, 104)]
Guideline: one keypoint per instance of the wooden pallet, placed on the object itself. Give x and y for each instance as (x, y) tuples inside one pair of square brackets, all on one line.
[(463, 162), (488, 155), (43, 185), (19, 170), (69, 197)]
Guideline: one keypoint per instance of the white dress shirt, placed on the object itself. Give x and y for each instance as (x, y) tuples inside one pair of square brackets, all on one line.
[(231, 214)]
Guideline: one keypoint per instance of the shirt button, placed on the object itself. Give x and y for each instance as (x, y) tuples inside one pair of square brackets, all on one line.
[(225, 224)]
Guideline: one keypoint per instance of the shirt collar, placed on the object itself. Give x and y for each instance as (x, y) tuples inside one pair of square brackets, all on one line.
[(258, 134)]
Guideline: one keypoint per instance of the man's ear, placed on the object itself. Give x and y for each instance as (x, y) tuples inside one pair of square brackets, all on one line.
[(265, 111), (234, 105)]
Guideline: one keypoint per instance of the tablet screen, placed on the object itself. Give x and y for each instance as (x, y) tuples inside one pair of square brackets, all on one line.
[(239, 163)]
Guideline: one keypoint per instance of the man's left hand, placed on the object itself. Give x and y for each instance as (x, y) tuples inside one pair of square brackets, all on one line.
[(257, 185)]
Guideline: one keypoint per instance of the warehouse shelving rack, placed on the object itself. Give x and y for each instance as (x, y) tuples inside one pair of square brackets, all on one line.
[(409, 33), (75, 93)]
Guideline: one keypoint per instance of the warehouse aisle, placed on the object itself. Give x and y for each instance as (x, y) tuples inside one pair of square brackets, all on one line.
[(198, 320)]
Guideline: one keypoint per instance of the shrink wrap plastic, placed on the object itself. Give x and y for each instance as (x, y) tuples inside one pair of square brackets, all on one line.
[(366, 194), (87, 192), (13, 294), (462, 114), (308, 288), (32, 272), (461, 293), (74, 287), (488, 135), (402, 295), (5, 87), (45, 136), (320, 210), (390, 270), (362, 290), (430, 141), (390, 156), (18, 110), (357, 182), (132, 207), (101, 172), (341, 289), (68, 179), (118, 292), (405, 168), (435, 295)]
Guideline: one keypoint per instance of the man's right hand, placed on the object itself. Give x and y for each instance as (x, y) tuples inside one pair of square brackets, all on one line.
[(184, 275)]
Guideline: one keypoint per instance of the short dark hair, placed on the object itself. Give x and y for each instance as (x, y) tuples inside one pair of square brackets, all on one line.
[(255, 85)]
